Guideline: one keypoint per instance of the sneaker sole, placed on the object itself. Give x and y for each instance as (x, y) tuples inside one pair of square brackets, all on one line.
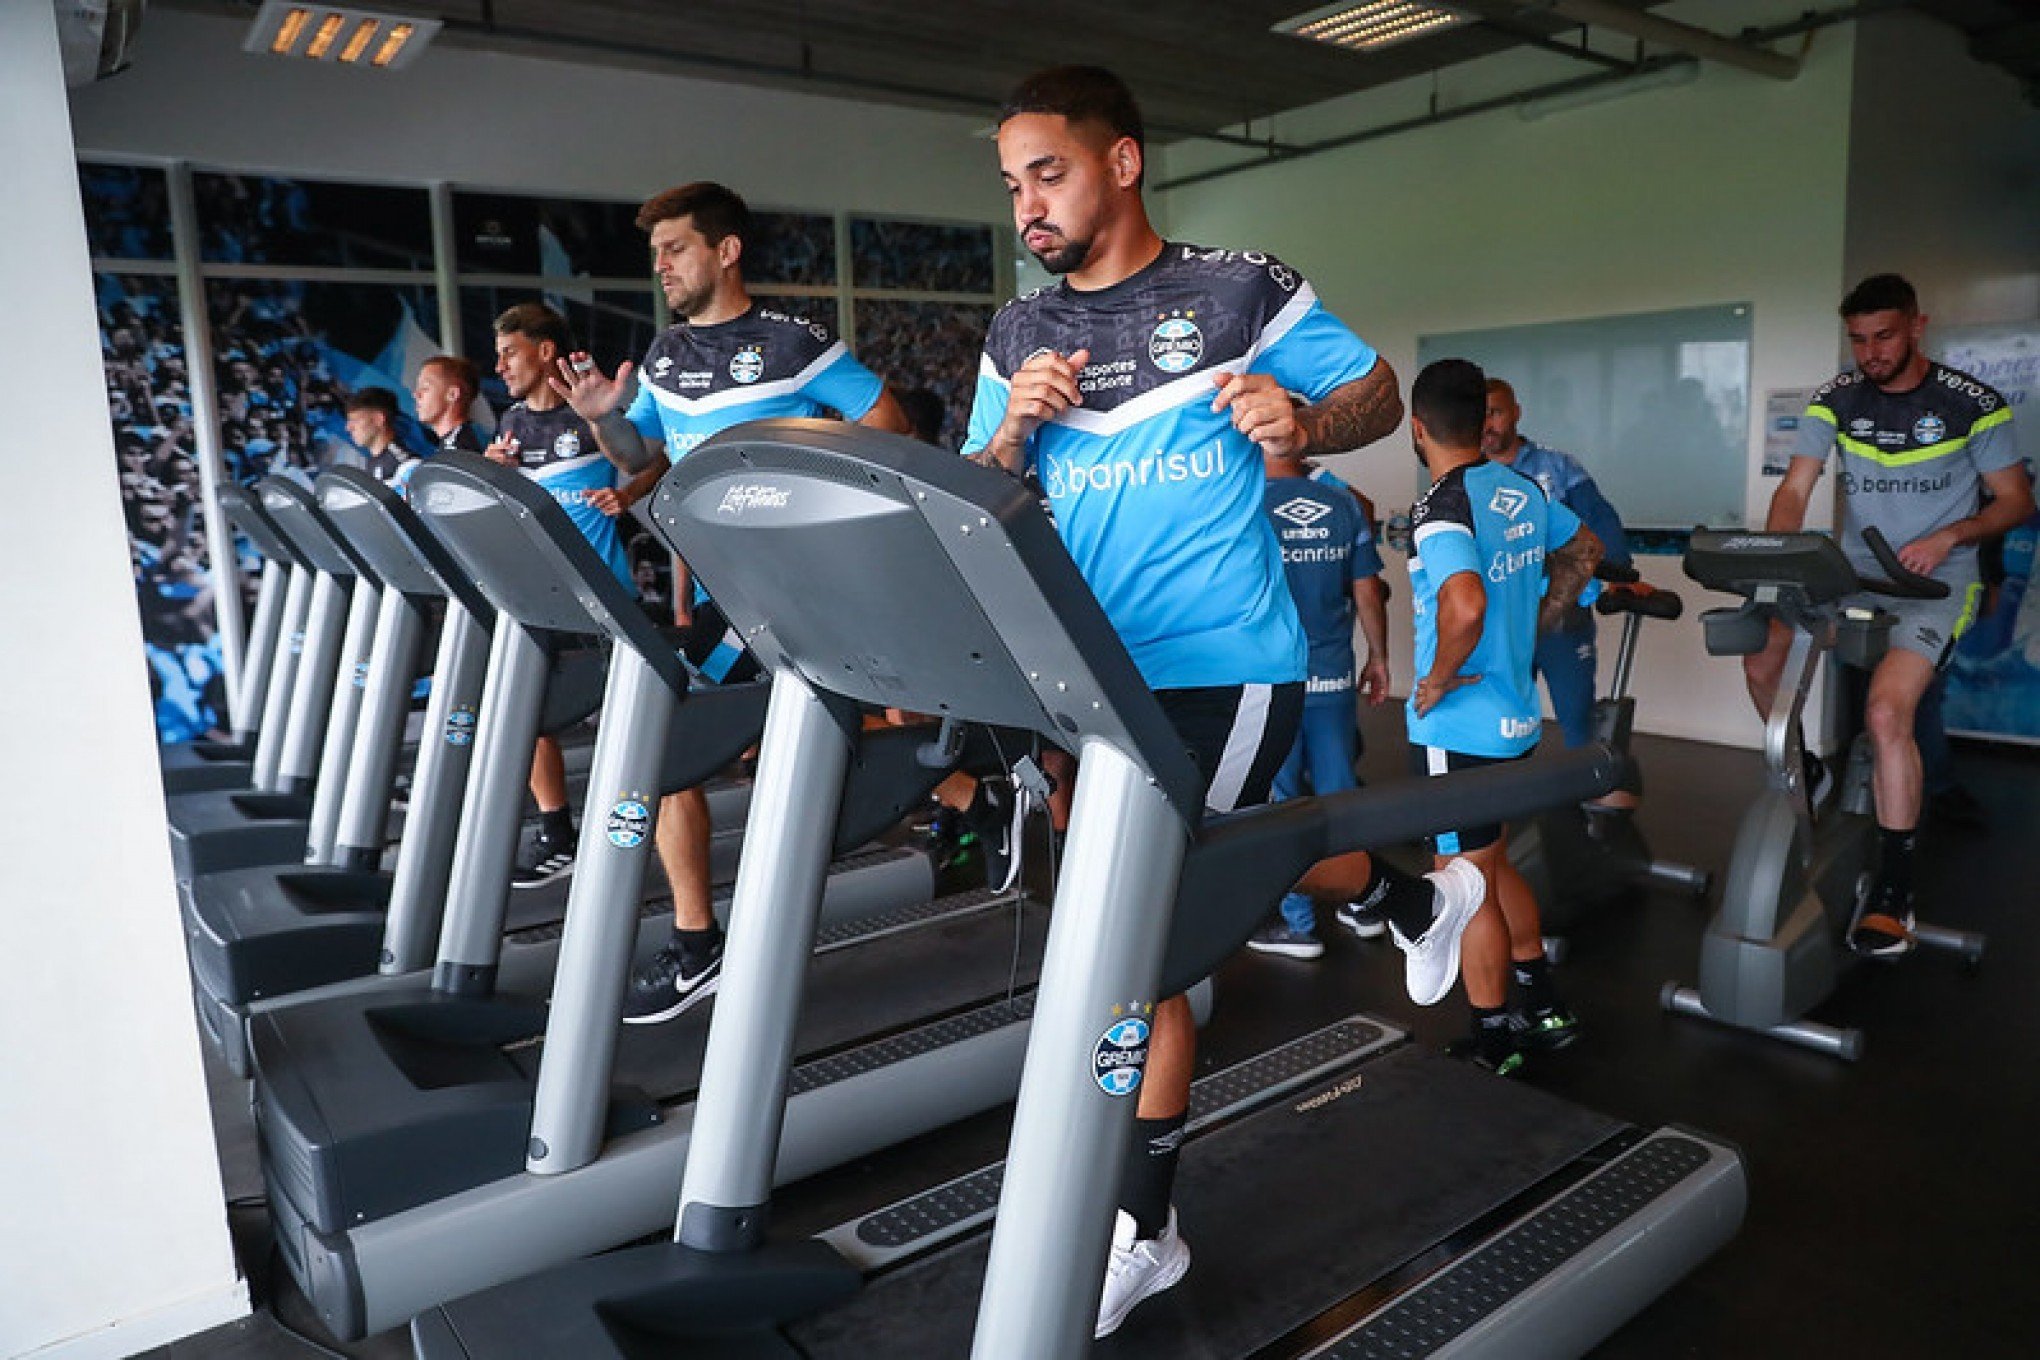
[(1288, 951), (538, 878), (1454, 920), (681, 1005), (1365, 932), (1171, 1276)]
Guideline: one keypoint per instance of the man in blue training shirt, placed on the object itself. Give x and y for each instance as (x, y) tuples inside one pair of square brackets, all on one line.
[(1143, 389), (1565, 656), (543, 437), (1491, 559), (1334, 574), (725, 361)]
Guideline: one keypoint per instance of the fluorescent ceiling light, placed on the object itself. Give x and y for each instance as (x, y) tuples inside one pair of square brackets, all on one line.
[(340, 34), (1372, 26)]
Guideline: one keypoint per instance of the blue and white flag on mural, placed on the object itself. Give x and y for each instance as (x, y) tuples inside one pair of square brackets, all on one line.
[(1994, 680)]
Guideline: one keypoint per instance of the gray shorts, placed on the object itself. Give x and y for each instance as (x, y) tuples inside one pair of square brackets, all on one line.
[(1930, 628)]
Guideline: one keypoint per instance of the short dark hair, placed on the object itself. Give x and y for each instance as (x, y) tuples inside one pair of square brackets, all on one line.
[(536, 322), (1450, 397), (1082, 94), (1881, 293), (462, 373), (717, 211), (373, 399), (924, 411)]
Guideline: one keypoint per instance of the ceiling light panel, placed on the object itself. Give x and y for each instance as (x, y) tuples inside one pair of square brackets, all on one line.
[(338, 34), (1372, 26)]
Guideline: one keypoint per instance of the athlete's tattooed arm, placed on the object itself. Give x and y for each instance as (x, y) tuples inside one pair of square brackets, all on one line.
[(1568, 569), (1353, 415)]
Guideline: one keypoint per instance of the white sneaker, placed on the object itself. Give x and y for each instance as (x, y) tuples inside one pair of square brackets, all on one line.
[(1431, 962), (1138, 1269)]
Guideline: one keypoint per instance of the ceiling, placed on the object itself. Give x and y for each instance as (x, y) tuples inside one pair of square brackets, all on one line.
[(1197, 66)]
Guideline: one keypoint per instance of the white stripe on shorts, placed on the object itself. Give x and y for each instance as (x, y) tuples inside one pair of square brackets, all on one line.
[(1437, 760), (1242, 744)]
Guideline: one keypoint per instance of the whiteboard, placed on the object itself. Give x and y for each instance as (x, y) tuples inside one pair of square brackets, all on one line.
[(1655, 405)]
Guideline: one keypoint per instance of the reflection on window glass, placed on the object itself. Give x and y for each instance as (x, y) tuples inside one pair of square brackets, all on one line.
[(612, 326), (253, 219), (555, 238), (127, 212), (796, 248), (932, 345), (931, 257)]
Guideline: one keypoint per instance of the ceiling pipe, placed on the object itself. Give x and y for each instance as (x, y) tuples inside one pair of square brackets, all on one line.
[(1652, 28)]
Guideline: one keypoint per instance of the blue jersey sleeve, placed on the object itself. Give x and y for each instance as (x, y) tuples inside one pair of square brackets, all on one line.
[(1308, 350), (1447, 548), (643, 413), (846, 385), (1585, 500), (987, 409)]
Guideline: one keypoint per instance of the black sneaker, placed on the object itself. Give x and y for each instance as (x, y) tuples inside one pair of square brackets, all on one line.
[(546, 859), (1506, 1061), (1550, 1029), (1365, 921), (672, 981), (994, 827), (1884, 924)]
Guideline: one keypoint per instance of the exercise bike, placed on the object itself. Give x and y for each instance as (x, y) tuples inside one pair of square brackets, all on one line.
[(1577, 857), (1798, 876)]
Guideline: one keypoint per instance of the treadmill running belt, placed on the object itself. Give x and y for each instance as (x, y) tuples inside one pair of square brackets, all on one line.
[(1288, 1212)]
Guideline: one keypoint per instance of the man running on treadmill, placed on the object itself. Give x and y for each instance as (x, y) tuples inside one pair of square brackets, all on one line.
[(1138, 389), (1920, 446), (445, 388), (372, 425), (725, 361), (542, 436), (1492, 560)]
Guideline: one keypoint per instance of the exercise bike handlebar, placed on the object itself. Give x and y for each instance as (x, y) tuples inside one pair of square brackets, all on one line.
[(1898, 582)]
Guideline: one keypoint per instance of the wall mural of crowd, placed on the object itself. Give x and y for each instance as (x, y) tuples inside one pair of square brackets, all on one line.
[(288, 351)]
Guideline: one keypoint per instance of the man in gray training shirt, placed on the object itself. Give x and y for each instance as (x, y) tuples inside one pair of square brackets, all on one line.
[(1920, 445)]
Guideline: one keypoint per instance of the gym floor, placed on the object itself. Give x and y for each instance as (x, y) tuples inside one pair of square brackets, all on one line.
[(1891, 1200)]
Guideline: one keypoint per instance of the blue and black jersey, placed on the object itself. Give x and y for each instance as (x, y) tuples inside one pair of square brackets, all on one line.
[(556, 449), (1486, 519), (698, 380), (1326, 546), (1158, 496), (462, 438)]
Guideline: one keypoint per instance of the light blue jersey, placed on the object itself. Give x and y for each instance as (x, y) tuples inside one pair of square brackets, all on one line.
[(1326, 546), (1566, 482), (1485, 519), (556, 449), (1157, 496)]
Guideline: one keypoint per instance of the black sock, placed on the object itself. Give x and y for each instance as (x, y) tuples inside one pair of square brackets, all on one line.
[(1151, 1173), (1492, 1034), (557, 825), (1409, 904), (1533, 977), (1895, 865), (698, 944)]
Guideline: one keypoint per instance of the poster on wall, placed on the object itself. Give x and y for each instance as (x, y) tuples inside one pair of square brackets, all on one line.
[(1994, 679)]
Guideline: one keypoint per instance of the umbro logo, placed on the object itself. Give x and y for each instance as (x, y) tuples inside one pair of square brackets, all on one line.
[(1300, 512), (1508, 502)]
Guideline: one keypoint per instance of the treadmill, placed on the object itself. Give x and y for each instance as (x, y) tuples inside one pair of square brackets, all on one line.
[(195, 766), (265, 932), (1509, 1224), (220, 829), (425, 1138)]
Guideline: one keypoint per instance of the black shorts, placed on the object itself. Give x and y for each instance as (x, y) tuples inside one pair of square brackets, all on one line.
[(713, 648), (1237, 735), (1435, 760)]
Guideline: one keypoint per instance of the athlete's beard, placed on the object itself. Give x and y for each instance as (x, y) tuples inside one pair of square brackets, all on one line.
[(692, 304), (1898, 366), (1069, 256)]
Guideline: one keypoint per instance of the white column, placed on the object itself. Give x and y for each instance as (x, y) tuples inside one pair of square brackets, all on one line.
[(114, 1236)]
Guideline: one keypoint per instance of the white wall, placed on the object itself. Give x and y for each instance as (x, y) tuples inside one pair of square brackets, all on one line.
[(1944, 174), (520, 123), (113, 1235), (1730, 189)]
